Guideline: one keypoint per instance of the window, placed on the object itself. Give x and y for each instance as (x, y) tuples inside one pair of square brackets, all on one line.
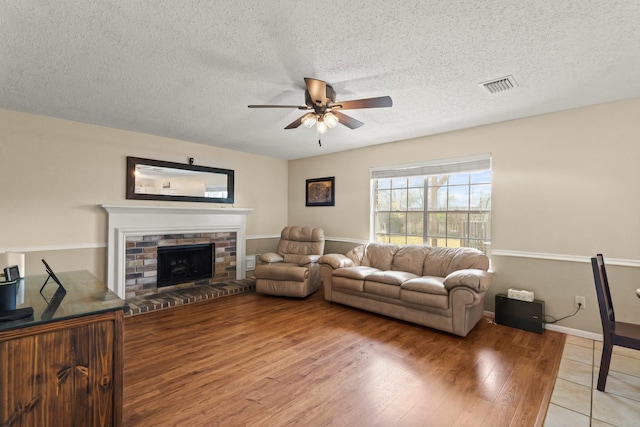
[(439, 203)]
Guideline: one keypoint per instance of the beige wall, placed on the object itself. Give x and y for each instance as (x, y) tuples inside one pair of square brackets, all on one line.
[(55, 174), (566, 185)]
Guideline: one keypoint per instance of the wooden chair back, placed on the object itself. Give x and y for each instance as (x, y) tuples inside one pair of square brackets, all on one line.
[(605, 304)]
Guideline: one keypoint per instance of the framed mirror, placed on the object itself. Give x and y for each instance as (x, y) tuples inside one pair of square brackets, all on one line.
[(159, 180)]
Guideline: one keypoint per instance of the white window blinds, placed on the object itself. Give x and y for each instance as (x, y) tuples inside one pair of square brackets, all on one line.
[(474, 163)]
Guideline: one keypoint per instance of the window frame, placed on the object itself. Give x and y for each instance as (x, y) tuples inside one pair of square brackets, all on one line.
[(461, 165)]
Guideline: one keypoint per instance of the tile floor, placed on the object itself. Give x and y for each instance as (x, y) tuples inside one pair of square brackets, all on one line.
[(576, 401)]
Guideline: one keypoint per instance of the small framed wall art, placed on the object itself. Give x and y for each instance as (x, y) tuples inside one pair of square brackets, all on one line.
[(321, 191)]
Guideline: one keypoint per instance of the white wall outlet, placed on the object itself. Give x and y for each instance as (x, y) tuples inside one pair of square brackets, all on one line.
[(250, 262), (581, 301)]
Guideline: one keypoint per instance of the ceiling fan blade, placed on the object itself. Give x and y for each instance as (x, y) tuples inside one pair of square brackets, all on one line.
[(299, 107), (382, 101), (349, 122), (317, 90), (296, 123)]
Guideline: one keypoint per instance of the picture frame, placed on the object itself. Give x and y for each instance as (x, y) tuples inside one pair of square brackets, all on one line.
[(321, 192)]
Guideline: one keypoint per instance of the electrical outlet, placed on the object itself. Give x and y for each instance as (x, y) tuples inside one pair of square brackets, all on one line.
[(250, 263), (581, 301)]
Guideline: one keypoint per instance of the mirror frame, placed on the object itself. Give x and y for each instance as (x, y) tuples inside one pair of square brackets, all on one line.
[(131, 181)]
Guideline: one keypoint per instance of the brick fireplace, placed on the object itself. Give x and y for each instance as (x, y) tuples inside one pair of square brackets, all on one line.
[(141, 275), (135, 233)]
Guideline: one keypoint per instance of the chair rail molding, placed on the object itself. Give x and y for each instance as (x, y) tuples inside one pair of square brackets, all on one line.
[(621, 262)]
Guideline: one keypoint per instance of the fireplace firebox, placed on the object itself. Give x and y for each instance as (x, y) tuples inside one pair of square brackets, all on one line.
[(184, 263)]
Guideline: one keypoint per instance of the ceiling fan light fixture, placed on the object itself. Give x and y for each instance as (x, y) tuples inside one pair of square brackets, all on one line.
[(331, 120), (309, 120), (320, 101), (322, 126)]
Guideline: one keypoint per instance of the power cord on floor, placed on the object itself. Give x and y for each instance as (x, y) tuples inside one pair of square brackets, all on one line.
[(562, 318)]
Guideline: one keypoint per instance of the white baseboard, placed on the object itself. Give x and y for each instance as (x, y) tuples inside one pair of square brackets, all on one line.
[(562, 329), (574, 332)]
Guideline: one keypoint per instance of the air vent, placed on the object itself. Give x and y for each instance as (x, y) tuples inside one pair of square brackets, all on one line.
[(500, 85)]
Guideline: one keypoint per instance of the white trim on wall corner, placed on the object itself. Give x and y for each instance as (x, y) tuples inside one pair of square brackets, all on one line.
[(346, 240), (76, 246), (263, 236), (561, 257), (333, 239), (46, 248)]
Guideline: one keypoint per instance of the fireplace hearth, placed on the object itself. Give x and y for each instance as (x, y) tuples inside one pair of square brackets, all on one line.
[(184, 263)]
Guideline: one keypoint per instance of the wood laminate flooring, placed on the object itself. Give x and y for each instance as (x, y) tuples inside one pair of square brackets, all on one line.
[(256, 360)]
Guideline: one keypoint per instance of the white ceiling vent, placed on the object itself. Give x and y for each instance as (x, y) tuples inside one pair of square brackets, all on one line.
[(500, 85)]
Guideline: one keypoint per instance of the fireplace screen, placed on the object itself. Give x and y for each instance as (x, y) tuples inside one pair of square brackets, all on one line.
[(184, 263)]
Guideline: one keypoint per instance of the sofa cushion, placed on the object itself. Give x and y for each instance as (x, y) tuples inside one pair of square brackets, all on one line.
[(467, 258), (410, 258), (425, 299), (437, 261), (382, 289), (426, 284), (356, 254), (379, 255), (441, 261), (348, 283), (390, 277), (354, 272)]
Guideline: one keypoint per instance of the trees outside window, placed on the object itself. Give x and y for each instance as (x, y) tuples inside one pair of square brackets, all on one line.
[(449, 210)]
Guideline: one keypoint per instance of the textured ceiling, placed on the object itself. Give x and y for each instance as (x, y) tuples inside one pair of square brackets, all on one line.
[(188, 69)]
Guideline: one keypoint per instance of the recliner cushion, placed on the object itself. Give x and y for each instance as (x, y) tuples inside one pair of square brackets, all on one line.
[(282, 271), (301, 241)]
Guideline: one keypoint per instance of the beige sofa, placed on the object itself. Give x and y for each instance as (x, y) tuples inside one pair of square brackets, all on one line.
[(442, 288)]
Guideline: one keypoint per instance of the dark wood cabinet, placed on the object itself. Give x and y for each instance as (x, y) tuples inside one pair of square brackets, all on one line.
[(65, 371)]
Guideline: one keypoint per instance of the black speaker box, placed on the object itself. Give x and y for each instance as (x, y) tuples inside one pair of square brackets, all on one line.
[(525, 315)]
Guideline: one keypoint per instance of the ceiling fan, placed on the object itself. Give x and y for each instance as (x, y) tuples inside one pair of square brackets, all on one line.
[(321, 98)]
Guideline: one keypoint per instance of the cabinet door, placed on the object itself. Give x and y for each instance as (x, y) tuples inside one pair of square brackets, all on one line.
[(59, 378)]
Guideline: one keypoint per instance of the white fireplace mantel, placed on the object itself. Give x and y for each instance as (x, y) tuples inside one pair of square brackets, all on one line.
[(130, 220)]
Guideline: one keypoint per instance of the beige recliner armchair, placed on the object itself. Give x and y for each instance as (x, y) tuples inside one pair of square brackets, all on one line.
[(294, 270)]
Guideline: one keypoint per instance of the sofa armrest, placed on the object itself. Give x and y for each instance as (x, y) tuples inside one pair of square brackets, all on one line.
[(478, 280), (336, 261), (271, 257)]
